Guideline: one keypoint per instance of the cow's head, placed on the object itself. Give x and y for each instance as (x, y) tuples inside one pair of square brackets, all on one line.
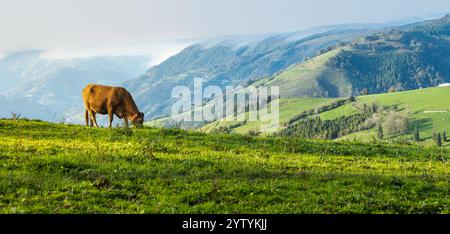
[(138, 119)]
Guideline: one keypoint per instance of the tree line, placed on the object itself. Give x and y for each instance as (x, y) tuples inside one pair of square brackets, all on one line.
[(315, 127)]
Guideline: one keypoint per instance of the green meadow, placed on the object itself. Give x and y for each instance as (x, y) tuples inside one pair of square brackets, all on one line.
[(427, 109), (59, 168)]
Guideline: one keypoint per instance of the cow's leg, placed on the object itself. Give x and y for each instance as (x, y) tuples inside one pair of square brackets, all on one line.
[(93, 119), (125, 119), (110, 117), (86, 116)]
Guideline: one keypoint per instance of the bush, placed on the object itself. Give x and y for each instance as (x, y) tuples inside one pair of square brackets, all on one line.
[(15, 116), (253, 132), (394, 123)]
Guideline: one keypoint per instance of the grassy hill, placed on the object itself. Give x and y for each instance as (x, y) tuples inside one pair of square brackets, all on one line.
[(57, 168), (405, 58), (298, 80), (428, 109), (313, 78), (289, 107)]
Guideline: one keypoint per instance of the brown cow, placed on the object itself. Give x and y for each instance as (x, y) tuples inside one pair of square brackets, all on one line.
[(100, 99)]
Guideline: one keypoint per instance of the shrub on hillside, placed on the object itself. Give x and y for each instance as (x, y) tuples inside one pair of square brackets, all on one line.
[(395, 123)]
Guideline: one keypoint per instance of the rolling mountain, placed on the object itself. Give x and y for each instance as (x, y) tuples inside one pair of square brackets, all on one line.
[(409, 57), (233, 61), (240, 60)]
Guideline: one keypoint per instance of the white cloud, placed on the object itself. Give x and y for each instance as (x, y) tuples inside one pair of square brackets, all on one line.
[(152, 49), (156, 52)]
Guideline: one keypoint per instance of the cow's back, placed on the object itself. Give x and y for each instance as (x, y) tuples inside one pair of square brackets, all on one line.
[(99, 97), (96, 97)]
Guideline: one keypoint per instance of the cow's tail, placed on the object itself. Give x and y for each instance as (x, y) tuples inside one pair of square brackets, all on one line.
[(86, 116)]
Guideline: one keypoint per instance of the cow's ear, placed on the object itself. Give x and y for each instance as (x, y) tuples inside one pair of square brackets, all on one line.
[(142, 114)]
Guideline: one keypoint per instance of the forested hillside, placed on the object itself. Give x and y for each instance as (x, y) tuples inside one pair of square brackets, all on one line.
[(398, 60), (405, 58)]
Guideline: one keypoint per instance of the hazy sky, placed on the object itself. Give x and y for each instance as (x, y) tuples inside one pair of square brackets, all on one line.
[(106, 24)]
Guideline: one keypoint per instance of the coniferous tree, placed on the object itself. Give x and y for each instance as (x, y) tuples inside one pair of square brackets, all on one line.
[(374, 107), (416, 135), (380, 131), (438, 140), (444, 136), (364, 91)]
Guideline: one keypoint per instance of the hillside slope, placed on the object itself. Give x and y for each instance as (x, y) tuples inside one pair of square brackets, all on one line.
[(313, 78), (400, 58), (57, 168), (296, 83), (405, 58), (231, 61), (427, 109)]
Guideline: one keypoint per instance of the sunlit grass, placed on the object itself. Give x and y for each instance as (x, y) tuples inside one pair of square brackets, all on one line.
[(56, 168)]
